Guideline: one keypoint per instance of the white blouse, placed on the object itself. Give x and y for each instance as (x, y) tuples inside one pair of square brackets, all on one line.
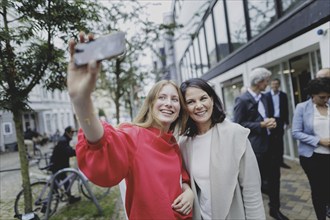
[(321, 129), (201, 171)]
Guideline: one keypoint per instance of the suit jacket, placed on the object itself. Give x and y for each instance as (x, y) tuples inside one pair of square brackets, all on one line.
[(246, 113), (234, 174), (303, 129), (284, 111)]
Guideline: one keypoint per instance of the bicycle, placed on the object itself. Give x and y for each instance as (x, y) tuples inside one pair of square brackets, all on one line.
[(41, 190)]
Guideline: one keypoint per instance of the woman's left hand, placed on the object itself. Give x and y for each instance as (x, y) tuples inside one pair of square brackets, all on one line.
[(184, 202)]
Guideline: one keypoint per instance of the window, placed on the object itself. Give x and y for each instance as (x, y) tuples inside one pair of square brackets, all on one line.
[(220, 29), (7, 128), (202, 45), (198, 58), (185, 69), (230, 90), (289, 5), (210, 40), (193, 60), (189, 70), (236, 23), (48, 123), (261, 15)]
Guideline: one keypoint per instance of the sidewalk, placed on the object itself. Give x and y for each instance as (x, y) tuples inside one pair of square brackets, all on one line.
[(11, 181), (295, 192)]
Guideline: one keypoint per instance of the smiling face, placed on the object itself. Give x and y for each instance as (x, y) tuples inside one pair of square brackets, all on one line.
[(275, 85), (166, 107), (200, 108)]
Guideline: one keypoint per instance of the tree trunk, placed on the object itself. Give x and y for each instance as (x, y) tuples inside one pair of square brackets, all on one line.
[(23, 161)]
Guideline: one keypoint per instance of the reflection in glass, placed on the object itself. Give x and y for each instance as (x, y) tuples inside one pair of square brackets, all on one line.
[(184, 65), (289, 5), (210, 40), (189, 71), (181, 70), (197, 58), (202, 45), (236, 23), (220, 29), (193, 61), (261, 15), (300, 75), (231, 89)]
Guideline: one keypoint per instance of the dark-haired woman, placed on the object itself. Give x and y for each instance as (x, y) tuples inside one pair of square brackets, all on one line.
[(223, 169), (311, 127)]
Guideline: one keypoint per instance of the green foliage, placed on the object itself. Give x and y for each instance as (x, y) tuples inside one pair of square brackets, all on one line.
[(85, 209), (29, 55)]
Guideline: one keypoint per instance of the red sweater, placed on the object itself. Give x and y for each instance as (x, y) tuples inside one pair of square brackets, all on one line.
[(150, 163)]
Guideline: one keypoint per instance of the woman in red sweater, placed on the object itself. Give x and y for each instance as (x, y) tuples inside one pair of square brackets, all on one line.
[(144, 153)]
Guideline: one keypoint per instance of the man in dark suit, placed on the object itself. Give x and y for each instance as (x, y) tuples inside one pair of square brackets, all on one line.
[(278, 108), (251, 111)]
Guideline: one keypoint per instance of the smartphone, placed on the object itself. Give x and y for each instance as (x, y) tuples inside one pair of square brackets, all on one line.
[(105, 47)]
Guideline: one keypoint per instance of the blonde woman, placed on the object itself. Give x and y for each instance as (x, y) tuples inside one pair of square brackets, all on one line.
[(144, 153)]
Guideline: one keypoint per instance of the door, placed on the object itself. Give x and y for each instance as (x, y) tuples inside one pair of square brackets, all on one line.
[(300, 76)]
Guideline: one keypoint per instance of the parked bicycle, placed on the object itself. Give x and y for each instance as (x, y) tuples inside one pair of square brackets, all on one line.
[(42, 188)]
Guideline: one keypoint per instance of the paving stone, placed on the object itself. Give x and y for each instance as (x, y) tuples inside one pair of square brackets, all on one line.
[(295, 192)]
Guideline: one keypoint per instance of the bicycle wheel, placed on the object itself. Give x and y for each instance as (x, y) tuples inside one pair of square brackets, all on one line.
[(98, 191), (39, 205), (37, 153)]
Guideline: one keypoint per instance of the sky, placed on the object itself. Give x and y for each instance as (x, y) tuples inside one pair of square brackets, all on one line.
[(157, 8)]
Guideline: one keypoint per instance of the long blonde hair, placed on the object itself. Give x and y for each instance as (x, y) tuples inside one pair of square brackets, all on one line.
[(146, 118)]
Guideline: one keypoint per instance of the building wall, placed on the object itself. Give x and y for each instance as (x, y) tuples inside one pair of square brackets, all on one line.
[(306, 44), (52, 111), (292, 47)]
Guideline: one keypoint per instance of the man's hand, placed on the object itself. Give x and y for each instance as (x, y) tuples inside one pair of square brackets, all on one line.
[(269, 123)]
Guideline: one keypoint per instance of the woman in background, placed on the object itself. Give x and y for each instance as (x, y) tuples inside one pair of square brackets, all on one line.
[(311, 127)]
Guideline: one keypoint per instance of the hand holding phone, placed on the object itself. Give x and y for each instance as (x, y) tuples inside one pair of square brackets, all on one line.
[(105, 47)]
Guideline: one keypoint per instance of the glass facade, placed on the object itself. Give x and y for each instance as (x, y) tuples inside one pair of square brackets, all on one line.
[(228, 25), (261, 15), (221, 30), (289, 5), (202, 45), (236, 23), (210, 40), (198, 58)]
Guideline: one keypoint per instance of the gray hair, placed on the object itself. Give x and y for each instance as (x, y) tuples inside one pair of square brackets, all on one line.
[(258, 75)]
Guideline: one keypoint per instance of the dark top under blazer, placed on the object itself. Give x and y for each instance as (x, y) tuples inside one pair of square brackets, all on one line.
[(284, 111)]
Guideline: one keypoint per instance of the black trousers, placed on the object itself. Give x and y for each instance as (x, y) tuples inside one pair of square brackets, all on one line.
[(272, 161), (61, 177), (317, 169)]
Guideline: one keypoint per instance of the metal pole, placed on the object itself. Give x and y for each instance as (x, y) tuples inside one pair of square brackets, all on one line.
[(70, 170)]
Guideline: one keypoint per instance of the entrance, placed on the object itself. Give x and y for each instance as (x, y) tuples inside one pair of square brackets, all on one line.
[(300, 76)]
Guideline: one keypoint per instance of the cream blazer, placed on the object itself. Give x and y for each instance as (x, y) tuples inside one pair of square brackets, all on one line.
[(234, 174)]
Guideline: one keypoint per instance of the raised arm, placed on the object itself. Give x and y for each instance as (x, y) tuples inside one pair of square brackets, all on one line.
[(81, 83)]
